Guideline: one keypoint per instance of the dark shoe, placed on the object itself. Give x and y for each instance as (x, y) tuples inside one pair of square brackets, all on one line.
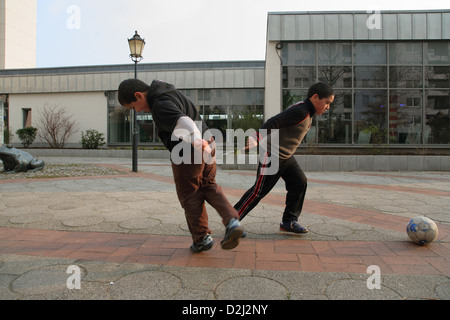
[(206, 244), (244, 234), (233, 234), (292, 226)]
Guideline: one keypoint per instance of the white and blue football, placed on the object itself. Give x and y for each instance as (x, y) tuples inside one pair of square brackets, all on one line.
[(422, 230)]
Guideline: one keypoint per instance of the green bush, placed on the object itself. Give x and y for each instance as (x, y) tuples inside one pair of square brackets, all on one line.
[(92, 139), (27, 135)]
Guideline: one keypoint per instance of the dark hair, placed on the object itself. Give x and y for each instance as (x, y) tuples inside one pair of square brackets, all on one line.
[(128, 88), (322, 89)]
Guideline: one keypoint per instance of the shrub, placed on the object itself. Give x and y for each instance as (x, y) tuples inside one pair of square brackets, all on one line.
[(92, 139), (27, 135), (56, 126)]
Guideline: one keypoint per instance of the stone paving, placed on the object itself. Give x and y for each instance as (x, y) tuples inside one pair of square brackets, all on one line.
[(126, 235)]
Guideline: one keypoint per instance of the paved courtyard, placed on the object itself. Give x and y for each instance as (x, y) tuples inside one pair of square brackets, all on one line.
[(126, 236)]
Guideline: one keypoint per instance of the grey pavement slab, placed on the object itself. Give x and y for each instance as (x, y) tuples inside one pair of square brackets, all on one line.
[(143, 204)]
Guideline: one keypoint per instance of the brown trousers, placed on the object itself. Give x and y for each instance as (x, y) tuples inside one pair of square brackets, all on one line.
[(195, 184)]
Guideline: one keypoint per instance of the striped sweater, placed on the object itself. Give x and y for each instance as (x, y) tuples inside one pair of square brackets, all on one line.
[(292, 124)]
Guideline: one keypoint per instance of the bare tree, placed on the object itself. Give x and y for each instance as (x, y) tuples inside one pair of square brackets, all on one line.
[(56, 126)]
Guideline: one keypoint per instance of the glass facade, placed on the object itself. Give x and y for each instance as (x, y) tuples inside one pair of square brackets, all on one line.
[(393, 93), (221, 109)]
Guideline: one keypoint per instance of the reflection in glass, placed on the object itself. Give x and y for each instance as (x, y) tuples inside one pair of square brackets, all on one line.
[(291, 97), (370, 53), (213, 105), (437, 112), (298, 77), (437, 53), (405, 53), (119, 125), (216, 117), (247, 117), (146, 127), (405, 116), (336, 76), (418, 85), (335, 53), (299, 53), (370, 116), (335, 125), (437, 77), (405, 77), (370, 77)]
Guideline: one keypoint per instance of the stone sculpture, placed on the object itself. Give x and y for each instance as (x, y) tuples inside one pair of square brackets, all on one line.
[(15, 160)]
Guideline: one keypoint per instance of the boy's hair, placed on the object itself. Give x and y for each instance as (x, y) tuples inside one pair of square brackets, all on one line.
[(322, 89), (128, 88)]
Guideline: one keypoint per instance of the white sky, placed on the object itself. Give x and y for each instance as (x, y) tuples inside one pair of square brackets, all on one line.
[(86, 32)]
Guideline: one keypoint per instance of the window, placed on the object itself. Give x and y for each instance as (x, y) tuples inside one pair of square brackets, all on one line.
[(299, 53), (26, 118), (438, 53), (336, 76), (335, 125), (405, 53), (405, 117), (370, 116), (437, 77), (370, 77), (385, 88), (298, 77), (334, 53), (437, 126), (370, 53), (405, 77)]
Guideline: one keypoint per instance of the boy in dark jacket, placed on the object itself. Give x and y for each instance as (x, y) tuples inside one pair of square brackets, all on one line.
[(181, 129), (290, 126)]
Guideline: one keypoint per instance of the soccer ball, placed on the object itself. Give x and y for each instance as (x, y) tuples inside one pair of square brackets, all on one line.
[(422, 230)]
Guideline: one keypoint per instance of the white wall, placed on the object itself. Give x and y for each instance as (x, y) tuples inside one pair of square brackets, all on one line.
[(89, 110), (18, 34), (273, 98)]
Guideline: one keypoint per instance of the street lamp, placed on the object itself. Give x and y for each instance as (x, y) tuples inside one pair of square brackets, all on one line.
[(136, 44)]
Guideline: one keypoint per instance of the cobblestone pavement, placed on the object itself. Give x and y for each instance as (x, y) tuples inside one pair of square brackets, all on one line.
[(126, 236)]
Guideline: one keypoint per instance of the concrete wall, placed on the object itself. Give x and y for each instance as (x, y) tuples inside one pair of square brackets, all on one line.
[(89, 110), (272, 95), (336, 163), (318, 163)]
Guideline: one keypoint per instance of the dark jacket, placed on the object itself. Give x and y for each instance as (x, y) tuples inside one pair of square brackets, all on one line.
[(167, 105)]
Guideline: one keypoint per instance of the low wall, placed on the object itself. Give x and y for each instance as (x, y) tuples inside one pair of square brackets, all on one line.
[(307, 162), (363, 163), (98, 153)]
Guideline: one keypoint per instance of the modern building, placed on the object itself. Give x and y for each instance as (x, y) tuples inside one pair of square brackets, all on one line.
[(18, 25), (390, 71), (223, 91)]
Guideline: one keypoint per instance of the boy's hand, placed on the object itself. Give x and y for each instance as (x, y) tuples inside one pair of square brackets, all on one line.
[(251, 143), (205, 147)]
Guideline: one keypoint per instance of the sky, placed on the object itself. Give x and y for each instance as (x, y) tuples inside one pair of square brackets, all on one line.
[(86, 32)]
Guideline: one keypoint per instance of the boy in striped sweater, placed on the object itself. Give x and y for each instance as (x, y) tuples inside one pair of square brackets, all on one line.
[(290, 126)]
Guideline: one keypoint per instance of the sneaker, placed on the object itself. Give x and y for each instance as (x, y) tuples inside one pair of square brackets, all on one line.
[(233, 233), (292, 226), (206, 244)]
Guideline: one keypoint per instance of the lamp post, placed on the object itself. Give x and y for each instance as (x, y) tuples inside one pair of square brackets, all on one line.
[(136, 44)]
